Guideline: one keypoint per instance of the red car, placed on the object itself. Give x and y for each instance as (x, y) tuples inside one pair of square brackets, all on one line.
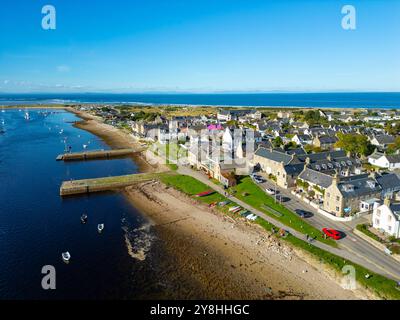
[(332, 233)]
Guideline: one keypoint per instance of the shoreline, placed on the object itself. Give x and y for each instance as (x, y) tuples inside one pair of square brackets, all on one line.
[(114, 138), (246, 269), (187, 227), (133, 104), (252, 264)]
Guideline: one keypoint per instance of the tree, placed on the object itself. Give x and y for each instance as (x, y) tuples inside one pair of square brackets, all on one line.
[(393, 128), (394, 147), (290, 145), (277, 142), (356, 144), (312, 116)]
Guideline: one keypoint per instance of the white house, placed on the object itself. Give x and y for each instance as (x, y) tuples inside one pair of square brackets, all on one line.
[(382, 160), (302, 139), (386, 218)]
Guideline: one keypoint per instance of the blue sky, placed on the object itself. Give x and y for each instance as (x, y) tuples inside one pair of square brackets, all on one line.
[(199, 46)]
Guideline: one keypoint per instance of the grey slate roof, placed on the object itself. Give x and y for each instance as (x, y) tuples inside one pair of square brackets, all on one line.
[(360, 186), (390, 181), (315, 177), (395, 207), (384, 139), (393, 158), (294, 169), (274, 155), (328, 139)]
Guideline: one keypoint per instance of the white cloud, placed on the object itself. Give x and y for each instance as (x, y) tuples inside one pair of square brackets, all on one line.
[(63, 68)]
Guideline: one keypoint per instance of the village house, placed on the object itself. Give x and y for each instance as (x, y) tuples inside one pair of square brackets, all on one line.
[(287, 165), (325, 142), (302, 139), (229, 115), (382, 141), (347, 195), (383, 160), (386, 218)]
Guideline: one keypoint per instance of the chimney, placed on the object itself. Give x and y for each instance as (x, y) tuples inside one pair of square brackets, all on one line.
[(308, 160), (387, 201), (336, 177), (329, 157), (372, 175)]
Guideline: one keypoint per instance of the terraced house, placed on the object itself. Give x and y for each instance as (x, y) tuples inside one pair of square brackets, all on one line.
[(346, 194), (286, 166)]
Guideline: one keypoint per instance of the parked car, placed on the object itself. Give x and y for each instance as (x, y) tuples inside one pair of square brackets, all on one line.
[(332, 233), (281, 198), (303, 213), (270, 191)]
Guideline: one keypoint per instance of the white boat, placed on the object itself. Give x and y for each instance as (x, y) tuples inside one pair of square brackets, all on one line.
[(27, 116), (100, 227), (3, 111), (85, 146), (66, 256), (61, 131), (234, 208), (84, 218), (252, 217)]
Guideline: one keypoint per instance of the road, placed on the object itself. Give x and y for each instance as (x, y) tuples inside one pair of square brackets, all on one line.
[(351, 247)]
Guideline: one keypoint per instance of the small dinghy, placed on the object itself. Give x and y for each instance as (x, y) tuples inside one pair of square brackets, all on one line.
[(85, 146), (66, 256), (84, 218), (100, 228)]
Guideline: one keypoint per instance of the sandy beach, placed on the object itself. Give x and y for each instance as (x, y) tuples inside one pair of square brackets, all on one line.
[(227, 259), (115, 138)]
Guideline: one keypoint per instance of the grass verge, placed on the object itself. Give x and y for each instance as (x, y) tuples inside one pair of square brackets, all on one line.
[(252, 194)]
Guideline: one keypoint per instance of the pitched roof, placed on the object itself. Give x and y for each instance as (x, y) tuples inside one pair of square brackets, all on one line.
[(315, 177), (274, 155), (389, 181), (359, 185), (384, 139)]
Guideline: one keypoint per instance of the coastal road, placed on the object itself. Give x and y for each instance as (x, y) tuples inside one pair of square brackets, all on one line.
[(366, 252), (351, 247)]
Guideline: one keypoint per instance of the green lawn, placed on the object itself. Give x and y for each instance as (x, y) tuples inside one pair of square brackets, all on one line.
[(257, 198), (364, 229), (191, 187)]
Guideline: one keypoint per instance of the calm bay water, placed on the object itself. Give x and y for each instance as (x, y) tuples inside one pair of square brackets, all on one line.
[(37, 225), (318, 100)]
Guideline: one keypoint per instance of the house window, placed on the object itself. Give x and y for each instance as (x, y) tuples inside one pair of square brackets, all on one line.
[(328, 195), (337, 209), (389, 218), (337, 198), (390, 228), (378, 212), (377, 222)]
